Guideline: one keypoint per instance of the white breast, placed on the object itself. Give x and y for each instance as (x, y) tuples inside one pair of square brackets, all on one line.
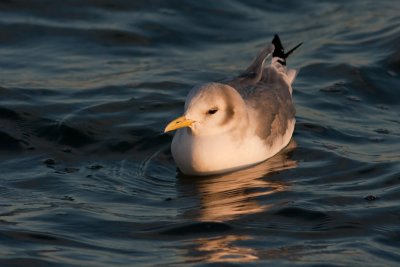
[(207, 155)]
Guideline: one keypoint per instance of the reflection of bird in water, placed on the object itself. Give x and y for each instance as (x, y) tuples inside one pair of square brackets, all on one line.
[(237, 123), (229, 196), (220, 249)]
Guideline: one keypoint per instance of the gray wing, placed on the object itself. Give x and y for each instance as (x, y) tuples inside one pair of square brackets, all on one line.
[(269, 95), (268, 91), (274, 108)]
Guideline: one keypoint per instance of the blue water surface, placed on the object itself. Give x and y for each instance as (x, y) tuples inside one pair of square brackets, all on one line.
[(87, 178)]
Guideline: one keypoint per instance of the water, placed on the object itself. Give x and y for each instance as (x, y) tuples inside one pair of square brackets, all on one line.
[(87, 179)]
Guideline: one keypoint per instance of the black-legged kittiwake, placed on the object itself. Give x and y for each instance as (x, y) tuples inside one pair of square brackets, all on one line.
[(239, 122)]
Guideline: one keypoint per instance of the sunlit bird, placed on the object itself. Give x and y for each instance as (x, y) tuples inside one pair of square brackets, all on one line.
[(237, 123)]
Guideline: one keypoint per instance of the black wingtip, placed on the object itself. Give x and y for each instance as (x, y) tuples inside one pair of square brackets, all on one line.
[(291, 50), (280, 52)]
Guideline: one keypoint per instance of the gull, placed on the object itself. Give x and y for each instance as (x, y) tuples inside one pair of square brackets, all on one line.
[(237, 123)]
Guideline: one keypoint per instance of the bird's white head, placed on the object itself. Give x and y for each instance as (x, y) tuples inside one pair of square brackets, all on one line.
[(210, 109)]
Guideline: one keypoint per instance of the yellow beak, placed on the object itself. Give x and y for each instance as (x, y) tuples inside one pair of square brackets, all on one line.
[(178, 123)]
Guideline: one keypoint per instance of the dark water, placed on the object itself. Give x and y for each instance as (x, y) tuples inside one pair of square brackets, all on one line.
[(87, 179)]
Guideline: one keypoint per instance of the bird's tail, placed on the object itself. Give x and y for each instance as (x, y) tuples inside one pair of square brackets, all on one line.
[(279, 52), (280, 56)]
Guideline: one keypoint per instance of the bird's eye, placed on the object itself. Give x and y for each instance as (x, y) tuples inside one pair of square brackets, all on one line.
[(212, 111)]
